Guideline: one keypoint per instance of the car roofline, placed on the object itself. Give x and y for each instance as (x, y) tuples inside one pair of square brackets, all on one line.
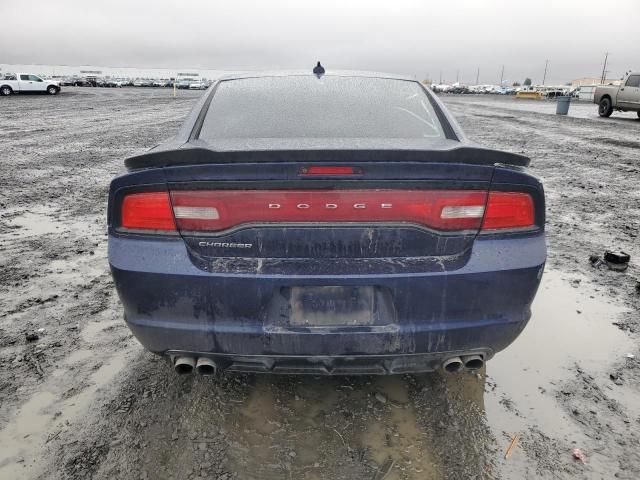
[(309, 73)]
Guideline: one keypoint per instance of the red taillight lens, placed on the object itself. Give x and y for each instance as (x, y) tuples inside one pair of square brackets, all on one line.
[(508, 210), (220, 210), (213, 211), (147, 211)]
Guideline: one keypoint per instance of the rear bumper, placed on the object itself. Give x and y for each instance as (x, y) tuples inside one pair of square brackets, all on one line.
[(171, 307)]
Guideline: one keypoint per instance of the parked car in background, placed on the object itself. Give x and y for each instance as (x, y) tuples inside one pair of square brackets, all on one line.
[(198, 85), (142, 82), (441, 88), (623, 98), (27, 83), (360, 233), (185, 82), (91, 80), (83, 82), (112, 83)]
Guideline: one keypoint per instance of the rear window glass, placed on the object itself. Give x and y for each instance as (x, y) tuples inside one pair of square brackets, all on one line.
[(326, 107)]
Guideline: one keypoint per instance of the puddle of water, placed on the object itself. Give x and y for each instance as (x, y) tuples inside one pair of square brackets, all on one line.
[(43, 220), (38, 221), (567, 326), (24, 433), (45, 414), (304, 416), (34, 224), (263, 435), (398, 438)]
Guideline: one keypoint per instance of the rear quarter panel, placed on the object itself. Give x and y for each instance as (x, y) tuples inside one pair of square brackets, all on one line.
[(602, 91), (14, 84)]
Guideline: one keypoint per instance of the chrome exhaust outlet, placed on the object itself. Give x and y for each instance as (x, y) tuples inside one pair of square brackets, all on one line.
[(473, 362), (205, 366), (452, 365), (184, 365)]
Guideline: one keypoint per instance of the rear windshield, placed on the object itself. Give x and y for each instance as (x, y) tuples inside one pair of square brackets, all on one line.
[(326, 107)]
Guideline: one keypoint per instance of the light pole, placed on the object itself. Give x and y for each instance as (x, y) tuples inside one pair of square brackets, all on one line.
[(603, 78)]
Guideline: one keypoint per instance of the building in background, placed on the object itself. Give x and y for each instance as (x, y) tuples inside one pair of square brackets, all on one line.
[(593, 81)]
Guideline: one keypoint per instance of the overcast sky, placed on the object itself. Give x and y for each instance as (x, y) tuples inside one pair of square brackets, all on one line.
[(421, 38)]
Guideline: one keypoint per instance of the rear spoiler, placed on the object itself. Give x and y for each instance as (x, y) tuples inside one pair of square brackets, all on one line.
[(198, 155)]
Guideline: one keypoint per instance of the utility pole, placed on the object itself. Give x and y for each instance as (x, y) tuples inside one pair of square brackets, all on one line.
[(440, 77), (603, 78), (501, 75), (544, 77), (478, 76), (457, 75)]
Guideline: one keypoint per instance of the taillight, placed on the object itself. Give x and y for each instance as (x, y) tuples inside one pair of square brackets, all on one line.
[(213, 211), (218, 210), (508, 210), (147, 211)]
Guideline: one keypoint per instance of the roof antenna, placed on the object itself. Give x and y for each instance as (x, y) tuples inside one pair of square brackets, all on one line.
[(318, 70)]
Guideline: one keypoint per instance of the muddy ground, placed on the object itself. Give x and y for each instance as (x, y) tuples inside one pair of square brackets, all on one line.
[(80, 399)]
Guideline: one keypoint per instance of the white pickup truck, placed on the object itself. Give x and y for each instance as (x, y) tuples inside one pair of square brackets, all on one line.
[(27, 82), (623, 98)]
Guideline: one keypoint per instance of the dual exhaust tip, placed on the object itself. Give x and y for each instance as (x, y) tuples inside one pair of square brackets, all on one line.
[(202, 365), (207, 367), (456, 364)]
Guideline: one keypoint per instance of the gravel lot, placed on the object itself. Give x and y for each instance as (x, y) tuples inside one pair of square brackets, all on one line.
[(79, 398)]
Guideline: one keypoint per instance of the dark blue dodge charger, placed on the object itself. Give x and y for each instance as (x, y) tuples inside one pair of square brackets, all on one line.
[(336, 223)]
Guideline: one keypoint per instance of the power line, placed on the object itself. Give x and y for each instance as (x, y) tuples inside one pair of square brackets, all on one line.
[(603, 78)]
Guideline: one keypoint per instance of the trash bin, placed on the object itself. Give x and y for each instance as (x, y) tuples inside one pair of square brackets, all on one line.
[(562, 107)]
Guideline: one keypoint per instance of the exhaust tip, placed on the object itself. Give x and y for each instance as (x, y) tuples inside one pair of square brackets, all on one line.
[(184, 365), (206, 366), (452, 365), (473, 362)]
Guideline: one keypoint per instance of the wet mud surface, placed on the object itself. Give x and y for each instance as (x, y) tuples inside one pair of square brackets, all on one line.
[(79, 398)]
